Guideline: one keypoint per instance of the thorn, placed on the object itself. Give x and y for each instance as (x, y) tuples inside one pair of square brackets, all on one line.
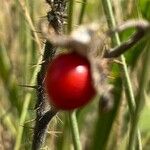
[(32, 109), (29, 86), (113, 76), (36, 31), (31, 128), (110, 77), (29, 121), (57, 117), (42, 62), (35, 65), (54, 133), (37, 107), (42, 37), (117, 61), (43, 42)]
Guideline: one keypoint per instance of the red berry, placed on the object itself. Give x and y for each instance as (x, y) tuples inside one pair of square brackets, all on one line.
[(68, 81)]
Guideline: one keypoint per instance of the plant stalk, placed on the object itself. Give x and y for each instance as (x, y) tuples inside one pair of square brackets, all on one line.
[(75, 130), (83, 6), (139, 98), (25, 109), (70, 15), (72, 115), (107, 5)]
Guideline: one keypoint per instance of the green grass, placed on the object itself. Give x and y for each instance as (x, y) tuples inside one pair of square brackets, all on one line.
[(20, 54)]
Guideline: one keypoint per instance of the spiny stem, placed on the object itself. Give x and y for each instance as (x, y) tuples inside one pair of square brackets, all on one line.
[(44, 114), (112, 23), (75, 131)]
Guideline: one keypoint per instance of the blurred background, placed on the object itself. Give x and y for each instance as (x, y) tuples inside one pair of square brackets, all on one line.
[(21, 46)]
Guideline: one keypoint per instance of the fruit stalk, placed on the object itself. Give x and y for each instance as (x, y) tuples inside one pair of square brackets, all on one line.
[(75, 130)]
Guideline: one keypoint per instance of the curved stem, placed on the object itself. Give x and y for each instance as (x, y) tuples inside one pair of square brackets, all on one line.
[(111, 23)]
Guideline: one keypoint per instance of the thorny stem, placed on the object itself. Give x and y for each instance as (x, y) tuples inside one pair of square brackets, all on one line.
[(45, 112), (112, 24), (43, 115)]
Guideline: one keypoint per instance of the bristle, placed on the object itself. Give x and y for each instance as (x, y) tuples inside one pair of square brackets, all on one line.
[(37, 31), (32, 120), (117, 61), (31, 128), (57, 117), (35, 65), (54, 133), (111, 77), (29, 86)]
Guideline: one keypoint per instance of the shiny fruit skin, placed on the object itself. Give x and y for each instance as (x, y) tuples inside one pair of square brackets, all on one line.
[(68, 81)]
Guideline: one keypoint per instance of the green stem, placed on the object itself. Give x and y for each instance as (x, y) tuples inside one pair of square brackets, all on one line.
[(75, 130), (25, 109), (112, 23), (72, 115), (82, 11), (70, 15), (140, 97)]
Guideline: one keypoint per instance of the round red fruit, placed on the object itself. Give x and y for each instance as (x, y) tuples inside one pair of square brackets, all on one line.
[(68, 81)]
